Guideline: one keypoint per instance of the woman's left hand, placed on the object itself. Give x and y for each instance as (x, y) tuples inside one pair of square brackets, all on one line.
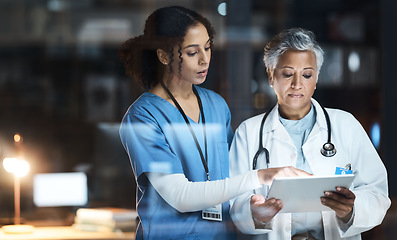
[(341, 201)]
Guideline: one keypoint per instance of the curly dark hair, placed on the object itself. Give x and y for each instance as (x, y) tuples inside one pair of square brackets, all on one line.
[(164, 29)]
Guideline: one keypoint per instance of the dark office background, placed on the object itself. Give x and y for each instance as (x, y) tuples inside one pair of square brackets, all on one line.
[(63, 88)]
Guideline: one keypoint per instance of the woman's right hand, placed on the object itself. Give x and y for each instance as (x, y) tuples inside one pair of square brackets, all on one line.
[(263, 210), (266, 176)]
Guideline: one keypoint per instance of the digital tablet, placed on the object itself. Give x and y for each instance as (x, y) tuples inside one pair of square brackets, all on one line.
[(302, 194)]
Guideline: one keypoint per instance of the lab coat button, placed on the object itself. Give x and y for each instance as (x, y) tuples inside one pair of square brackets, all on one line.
[(293, 156)]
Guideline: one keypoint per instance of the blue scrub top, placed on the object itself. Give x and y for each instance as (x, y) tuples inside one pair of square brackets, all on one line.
[(157, 139)]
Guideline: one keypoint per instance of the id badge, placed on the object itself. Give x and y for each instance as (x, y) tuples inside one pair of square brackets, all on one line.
[(213, 213), (342, 171)]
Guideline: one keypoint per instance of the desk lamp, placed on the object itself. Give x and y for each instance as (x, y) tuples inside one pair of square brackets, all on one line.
[(19, 167)]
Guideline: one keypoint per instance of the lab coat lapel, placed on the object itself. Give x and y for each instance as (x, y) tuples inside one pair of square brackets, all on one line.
[(275, 126), (279, 134), (312, 147)]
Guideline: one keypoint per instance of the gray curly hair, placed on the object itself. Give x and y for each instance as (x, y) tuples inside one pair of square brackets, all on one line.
[(292, 39)]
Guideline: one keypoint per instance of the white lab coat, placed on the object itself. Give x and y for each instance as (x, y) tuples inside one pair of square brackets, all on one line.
[(353, 146)]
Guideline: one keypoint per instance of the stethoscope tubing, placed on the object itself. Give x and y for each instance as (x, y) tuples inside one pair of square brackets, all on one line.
[(328, 149)]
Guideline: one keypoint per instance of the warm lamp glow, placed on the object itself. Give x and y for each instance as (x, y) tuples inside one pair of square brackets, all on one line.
[(18, 167), (8, 164), (17, 138)]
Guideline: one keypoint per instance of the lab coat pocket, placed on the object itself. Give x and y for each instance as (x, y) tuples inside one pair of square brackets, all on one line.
[(338, 162), (321, 165)]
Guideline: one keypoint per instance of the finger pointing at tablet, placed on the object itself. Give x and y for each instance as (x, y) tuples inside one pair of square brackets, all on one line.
[(266, 176)]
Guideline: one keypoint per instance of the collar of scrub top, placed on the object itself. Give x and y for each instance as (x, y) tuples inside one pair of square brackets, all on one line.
[(204, 160)]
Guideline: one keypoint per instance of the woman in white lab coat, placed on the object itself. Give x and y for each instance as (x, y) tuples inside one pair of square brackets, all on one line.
[(294, 133)]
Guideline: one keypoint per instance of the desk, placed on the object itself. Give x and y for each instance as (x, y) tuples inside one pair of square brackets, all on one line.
[(66, 233)]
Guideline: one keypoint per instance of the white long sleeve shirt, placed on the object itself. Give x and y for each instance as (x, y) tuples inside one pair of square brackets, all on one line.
[(186, 196)]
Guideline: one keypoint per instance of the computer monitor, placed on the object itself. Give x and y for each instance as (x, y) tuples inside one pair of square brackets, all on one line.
[(60, 189)]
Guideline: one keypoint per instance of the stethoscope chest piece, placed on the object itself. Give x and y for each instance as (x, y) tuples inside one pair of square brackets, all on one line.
[(328, 150)]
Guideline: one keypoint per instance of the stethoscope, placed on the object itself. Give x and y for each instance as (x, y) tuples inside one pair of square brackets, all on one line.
[(328, 149)]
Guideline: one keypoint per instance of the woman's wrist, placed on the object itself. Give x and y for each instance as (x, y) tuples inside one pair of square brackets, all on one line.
[(261, 224), (262, 176)]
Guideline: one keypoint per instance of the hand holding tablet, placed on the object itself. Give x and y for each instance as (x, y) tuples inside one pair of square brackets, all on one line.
[(303, 194)]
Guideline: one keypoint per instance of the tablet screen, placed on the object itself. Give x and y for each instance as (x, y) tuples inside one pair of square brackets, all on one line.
[(302, 194)]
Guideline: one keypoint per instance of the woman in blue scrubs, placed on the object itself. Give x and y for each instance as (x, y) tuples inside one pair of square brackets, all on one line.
[(177, 134)]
